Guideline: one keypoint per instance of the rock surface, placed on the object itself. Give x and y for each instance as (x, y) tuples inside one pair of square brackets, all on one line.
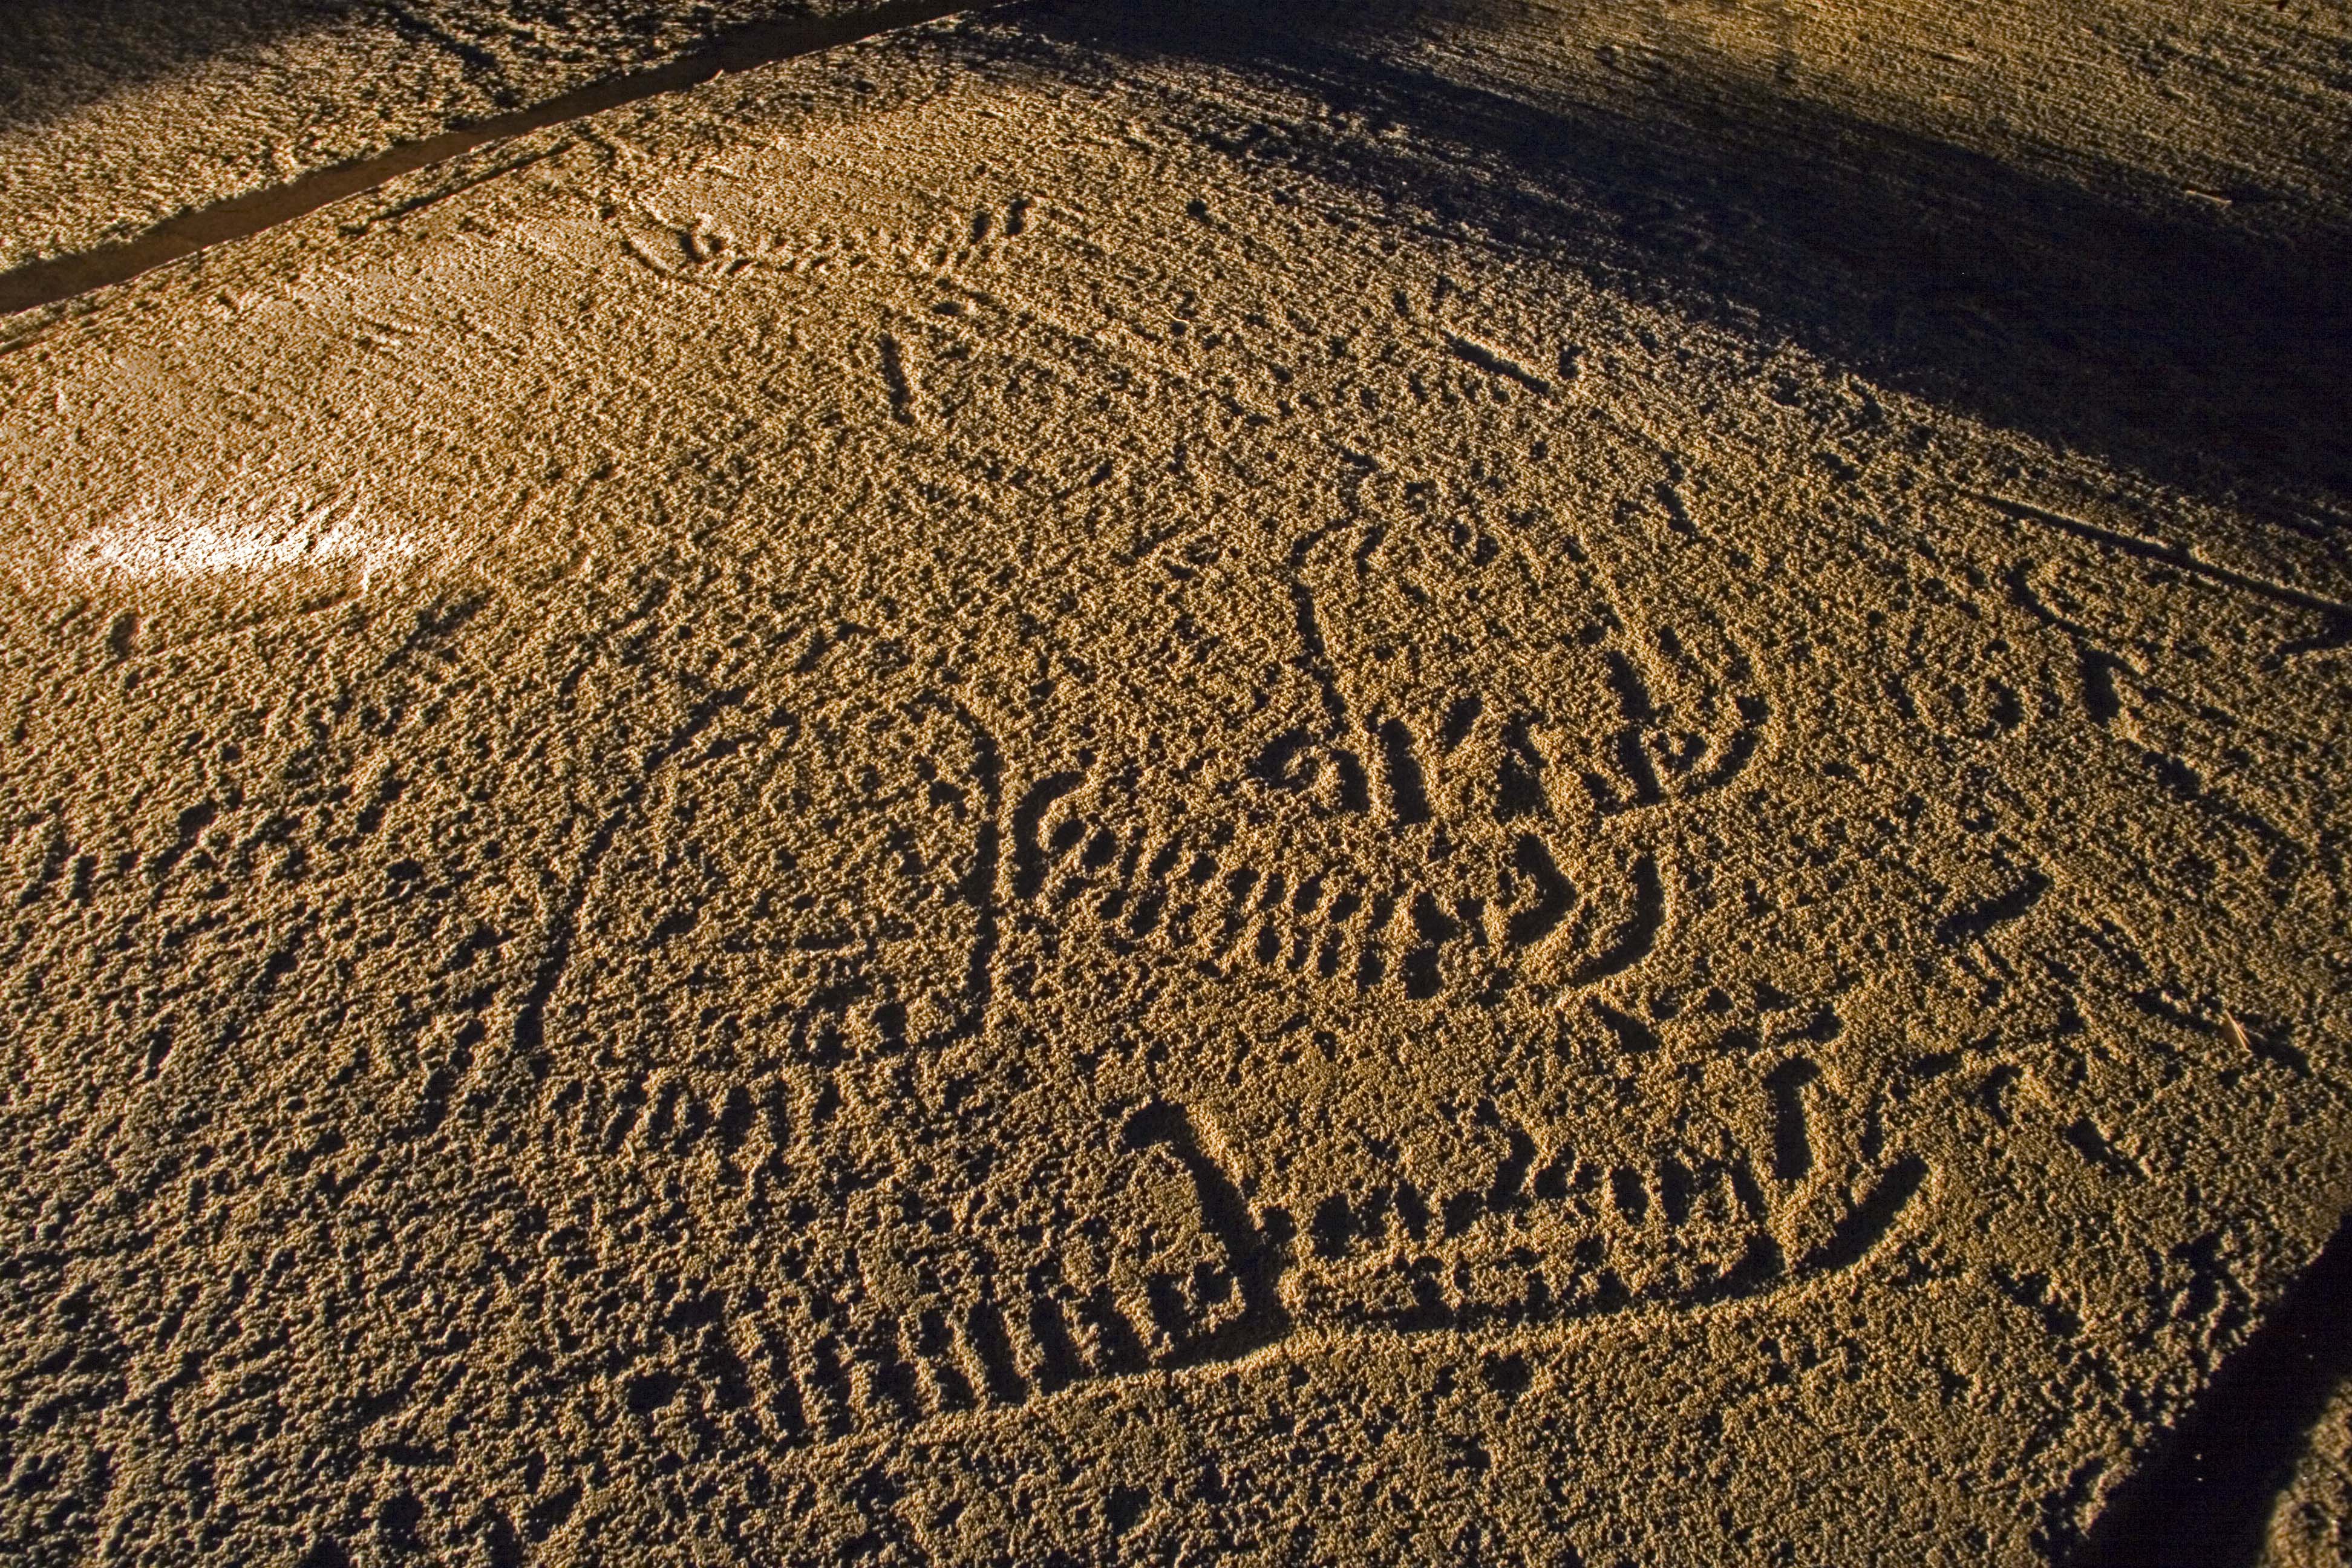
[(116, 115), (1470, 785), (2312, 1526)]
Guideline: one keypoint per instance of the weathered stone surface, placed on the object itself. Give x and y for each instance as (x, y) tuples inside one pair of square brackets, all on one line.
[(1519, 785)]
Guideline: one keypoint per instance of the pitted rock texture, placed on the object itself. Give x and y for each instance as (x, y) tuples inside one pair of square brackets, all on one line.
[(1181, 786)]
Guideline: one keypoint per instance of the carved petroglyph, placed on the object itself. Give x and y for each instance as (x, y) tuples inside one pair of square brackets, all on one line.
[(1195, 1274)]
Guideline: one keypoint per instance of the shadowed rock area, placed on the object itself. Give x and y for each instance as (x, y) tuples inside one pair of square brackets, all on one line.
[(1378, 784), (116, 115)]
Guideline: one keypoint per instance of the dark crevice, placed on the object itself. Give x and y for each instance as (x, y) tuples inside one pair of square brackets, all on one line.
[(1792, 1145), (1408, 788), (2205, 1495), (61, 277)]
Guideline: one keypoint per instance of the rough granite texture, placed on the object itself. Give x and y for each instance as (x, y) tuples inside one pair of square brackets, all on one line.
[(117, 114), (2312, 1526), (1499, 785)]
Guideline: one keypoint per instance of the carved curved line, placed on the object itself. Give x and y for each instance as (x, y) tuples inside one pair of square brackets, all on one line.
[(1253, 1250), (1753, 712), (1028, 856), (1555, 894), (979, 883), (1638, 935), (1760, 1274), (1868, 1222)]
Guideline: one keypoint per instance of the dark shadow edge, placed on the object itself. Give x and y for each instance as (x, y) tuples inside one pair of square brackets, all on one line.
[(60, 278), (2204, 1495)]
